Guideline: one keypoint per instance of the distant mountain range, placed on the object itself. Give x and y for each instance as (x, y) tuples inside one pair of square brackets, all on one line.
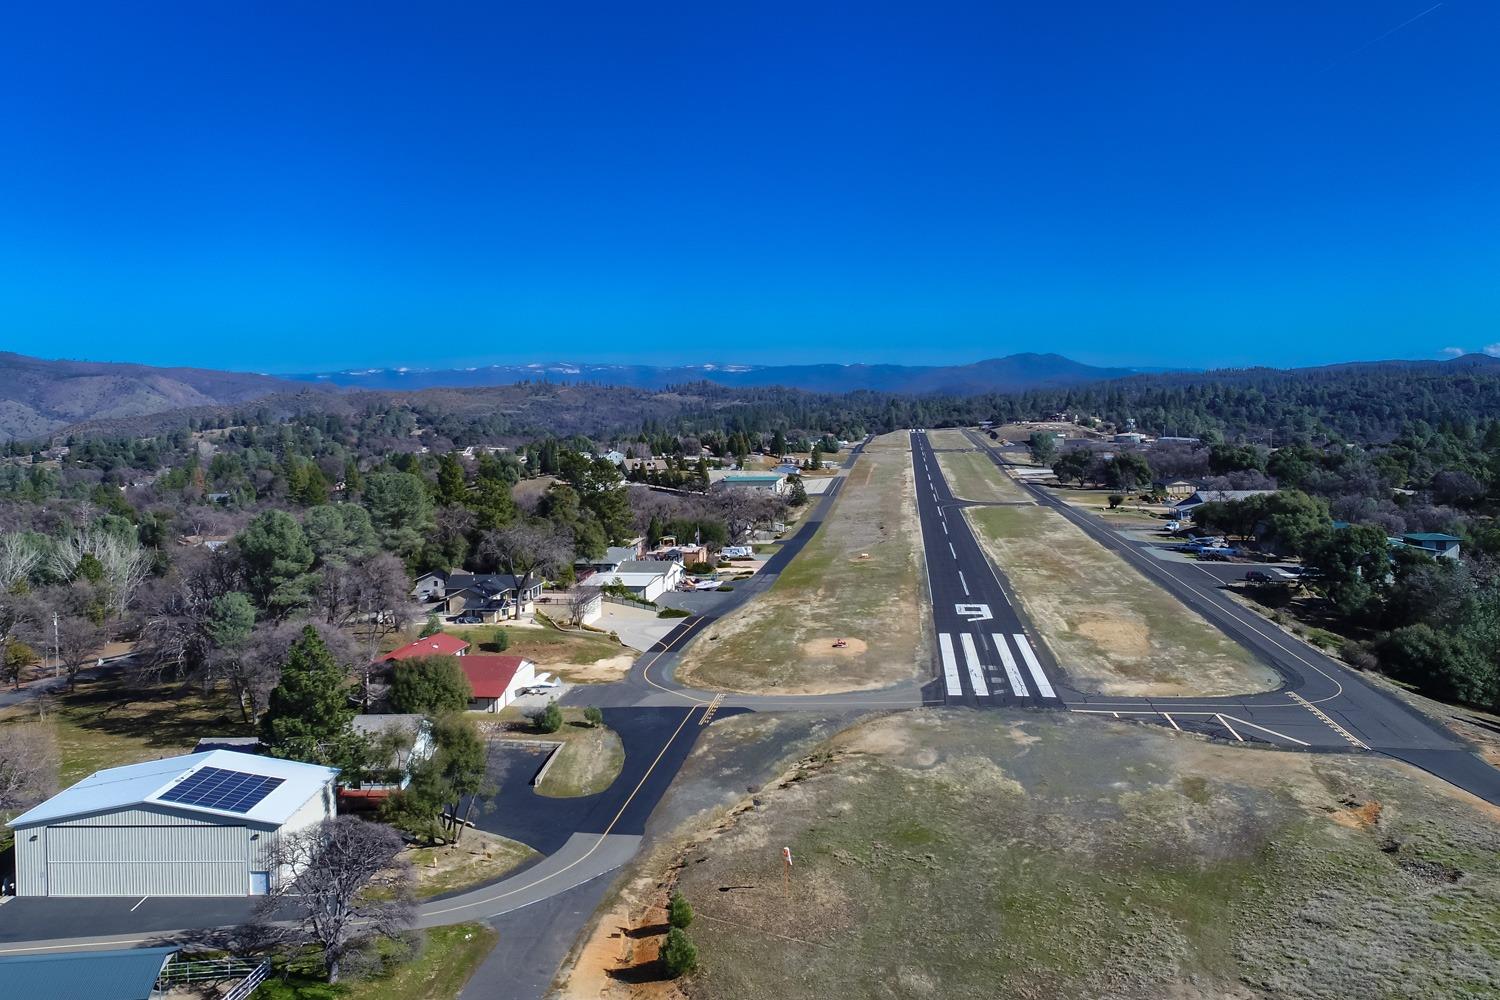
[(1009, 374), (38, 397)]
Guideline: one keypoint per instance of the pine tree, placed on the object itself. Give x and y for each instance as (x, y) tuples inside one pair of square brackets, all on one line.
[(308, 714)]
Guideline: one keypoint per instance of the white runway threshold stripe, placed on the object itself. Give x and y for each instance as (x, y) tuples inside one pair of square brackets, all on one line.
[(1043, 686), (1012, 672), (950, 666), (976, 670)]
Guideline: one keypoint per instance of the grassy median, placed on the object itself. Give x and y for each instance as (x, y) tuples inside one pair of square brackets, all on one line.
[(972, 476), (859, 579), (948, 854), (1111, 629)]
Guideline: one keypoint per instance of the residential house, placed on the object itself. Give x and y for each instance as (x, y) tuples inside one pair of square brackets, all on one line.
[(1186, 506), (684, 554), (496, 680), (1175, 489), (489, 596), (646, 579), (1435, 544), (407, 737)]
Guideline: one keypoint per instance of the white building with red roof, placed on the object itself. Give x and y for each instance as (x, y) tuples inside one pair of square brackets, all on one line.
[(496, 680)]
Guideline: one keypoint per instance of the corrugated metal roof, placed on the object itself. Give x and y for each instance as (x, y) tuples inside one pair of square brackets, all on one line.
[(141, 784), (126, 974)]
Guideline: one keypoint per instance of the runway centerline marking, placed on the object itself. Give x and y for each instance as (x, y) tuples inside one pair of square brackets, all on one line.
[(964, 583)]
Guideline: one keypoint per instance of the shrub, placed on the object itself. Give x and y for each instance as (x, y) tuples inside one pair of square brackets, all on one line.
[(1115, 499), (679, 955), (1438, 664), (724, 588), (593, 716), (679, 911), (549, 719), (673, 613), (433, 627), (699, 568), (502, 640), (429, 685)]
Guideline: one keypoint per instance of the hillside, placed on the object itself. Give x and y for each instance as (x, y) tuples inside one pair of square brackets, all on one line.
[(39, 396), (1010, 374)]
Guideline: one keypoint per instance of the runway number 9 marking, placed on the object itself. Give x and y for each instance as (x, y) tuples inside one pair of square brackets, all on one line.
[(973, 612)]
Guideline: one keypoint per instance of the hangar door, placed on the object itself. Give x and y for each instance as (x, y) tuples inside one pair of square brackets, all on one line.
[(147, 861)]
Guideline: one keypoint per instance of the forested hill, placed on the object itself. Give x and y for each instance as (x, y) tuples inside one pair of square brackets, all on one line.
[(1364, 402), (38, 397), (1361, 402)]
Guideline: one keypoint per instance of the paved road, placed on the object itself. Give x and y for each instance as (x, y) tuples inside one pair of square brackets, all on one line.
[(1322, 704)]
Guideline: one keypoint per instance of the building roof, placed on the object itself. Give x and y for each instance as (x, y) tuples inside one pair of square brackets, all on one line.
[(1220, 496), (1428, 536), (373, 725), (490, 674), (438, 644), (146, 784), (122, 974), (753, 477)]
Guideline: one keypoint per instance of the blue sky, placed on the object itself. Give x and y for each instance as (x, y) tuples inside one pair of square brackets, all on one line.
[(303, 187)]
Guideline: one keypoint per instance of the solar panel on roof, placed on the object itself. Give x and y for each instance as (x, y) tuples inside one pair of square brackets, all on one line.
[(216, 788)]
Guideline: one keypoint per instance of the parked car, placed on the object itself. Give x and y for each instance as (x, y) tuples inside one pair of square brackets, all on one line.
[(1172, 526), (1257, 576), (469, 620), (1215, 555)]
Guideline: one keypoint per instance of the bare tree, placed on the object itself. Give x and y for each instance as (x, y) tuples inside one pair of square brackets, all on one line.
[(742, 509), (20, 555), (382, 597), (342, 886), (78, 642), (18, 619), (528, 551), (28, 766)]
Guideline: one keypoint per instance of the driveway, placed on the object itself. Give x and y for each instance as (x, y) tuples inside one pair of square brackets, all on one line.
[(637, 628)]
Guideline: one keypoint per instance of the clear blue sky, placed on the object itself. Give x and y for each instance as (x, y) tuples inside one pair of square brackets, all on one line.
[(296, 187)]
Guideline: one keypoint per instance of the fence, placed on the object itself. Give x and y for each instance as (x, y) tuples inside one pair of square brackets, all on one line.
[(215, 970)]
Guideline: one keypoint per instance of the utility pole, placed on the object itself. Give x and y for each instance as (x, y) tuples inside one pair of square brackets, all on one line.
[(56, 648)]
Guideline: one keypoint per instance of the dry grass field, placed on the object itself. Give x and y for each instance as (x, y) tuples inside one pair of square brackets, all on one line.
[(859, 579), (1112, 630), (952, 854)]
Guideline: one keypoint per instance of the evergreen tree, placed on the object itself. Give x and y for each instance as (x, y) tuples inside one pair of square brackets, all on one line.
[(309, 712)]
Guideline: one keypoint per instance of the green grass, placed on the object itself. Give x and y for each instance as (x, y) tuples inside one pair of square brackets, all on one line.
[(544, 645), (445, 962), (972, 476), (119, 719), (590, 760)]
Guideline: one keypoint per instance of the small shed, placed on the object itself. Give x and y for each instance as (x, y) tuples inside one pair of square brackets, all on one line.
[(118, 974)]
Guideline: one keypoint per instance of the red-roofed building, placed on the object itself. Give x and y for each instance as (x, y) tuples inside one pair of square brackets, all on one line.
[(496, 680), (440, 644)]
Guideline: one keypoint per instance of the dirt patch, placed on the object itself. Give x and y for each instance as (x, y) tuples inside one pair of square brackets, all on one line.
[(600, 672), (826, 647), (1130, 638)]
